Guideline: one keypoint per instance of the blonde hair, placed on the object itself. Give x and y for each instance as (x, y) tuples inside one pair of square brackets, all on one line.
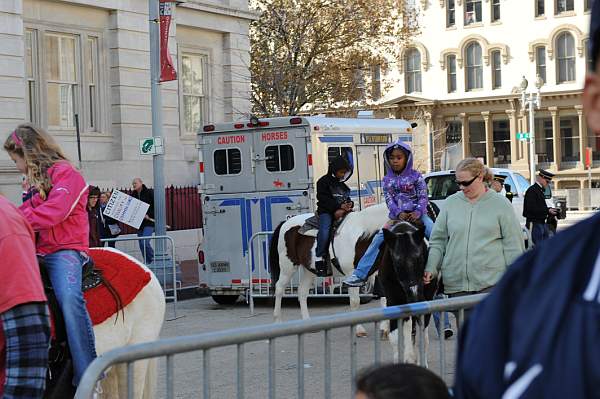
[(40, 152), (476, 168)]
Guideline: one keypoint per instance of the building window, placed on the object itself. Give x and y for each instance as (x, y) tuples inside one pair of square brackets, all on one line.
[(543, 140), (450, 13), (496, 70), (413, 71), (564, 6), (62, 79), (540, 62), (589, 64), (472, 11), (587, 6), (193, 91), (495, 10), (228, 161), (565, 58), (31, 75), (376, 82), (280, 158), (594, 142), (474, 67), (453, 132), (540, 10), (477, 140), (569, 139), (501, 133), (451, 61)]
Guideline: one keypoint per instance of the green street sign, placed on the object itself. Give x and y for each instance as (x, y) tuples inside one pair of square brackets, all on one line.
[(151, 146), (523, 136)]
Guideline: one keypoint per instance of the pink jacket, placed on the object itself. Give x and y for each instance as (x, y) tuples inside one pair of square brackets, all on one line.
[(61, 221)]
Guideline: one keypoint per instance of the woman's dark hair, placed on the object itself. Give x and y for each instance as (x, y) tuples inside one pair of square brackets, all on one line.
[(401, 381)]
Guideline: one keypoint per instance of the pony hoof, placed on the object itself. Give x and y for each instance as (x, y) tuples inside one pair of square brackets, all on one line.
[(361, 334), (384, 335)]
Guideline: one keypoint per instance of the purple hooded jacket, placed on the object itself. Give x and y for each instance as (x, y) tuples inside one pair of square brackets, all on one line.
[(406, 191)]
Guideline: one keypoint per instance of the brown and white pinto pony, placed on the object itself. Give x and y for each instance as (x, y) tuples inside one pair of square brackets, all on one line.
[(290, 250)]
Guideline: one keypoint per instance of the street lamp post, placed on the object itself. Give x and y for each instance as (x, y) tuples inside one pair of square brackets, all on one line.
[(532, 100)]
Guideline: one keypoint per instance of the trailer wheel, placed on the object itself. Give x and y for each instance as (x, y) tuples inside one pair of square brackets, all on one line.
[(225, 299)]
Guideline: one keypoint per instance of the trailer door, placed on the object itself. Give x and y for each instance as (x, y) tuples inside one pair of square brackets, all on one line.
[(280, 159), (227, 162)]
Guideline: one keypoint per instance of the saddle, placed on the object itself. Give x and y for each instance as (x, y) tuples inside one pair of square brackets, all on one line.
[(60, 365)]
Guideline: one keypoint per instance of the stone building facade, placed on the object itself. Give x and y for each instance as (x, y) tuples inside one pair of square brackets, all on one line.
[(91, 58)]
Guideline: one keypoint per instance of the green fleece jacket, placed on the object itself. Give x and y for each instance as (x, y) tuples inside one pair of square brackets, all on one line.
[(473, 244)]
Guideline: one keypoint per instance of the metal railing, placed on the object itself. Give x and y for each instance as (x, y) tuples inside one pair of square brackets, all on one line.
[(580, 199), (163, 263), (259, 275), (300, 328)]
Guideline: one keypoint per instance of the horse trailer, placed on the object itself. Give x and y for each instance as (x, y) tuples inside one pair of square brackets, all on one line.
[(257, 173)]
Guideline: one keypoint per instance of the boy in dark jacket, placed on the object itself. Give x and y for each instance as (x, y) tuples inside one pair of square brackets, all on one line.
[(333, 202), (144, 194)]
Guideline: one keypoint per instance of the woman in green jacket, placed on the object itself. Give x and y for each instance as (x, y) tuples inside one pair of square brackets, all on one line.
[(476, 236)]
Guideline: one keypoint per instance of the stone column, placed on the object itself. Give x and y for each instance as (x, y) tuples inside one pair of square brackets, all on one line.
[(466, 150), (441, 144), (430, 142), (582, 135), (514, 149), (556, 146), (489, 139)]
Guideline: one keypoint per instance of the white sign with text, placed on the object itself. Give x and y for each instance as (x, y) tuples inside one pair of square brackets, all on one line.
[(126, 209)]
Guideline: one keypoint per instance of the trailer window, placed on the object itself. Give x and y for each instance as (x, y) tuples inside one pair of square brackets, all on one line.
[(280, 158), (228, 162), (346, 152)]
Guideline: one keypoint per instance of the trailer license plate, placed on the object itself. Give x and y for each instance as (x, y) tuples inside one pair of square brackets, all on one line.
[(220, 267)]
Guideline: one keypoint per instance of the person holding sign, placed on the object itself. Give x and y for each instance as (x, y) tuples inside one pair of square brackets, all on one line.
[(144, 194), (56, 211)]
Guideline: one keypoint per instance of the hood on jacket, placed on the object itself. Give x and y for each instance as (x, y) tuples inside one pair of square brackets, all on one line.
[(409, 162), (338, 163)]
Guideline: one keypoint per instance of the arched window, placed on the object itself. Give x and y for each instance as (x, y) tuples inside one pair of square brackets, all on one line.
[(474, 67), (412, 73), (565, 57)]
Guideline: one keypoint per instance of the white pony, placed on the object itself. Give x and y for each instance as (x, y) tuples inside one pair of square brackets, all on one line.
[(356, 230), (141, 321)]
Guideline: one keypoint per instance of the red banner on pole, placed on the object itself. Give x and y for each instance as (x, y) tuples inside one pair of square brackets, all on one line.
[(167, 70), (588, 157)]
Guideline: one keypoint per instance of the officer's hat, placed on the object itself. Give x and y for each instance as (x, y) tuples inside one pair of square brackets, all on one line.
[(500, 178), (546, 175)]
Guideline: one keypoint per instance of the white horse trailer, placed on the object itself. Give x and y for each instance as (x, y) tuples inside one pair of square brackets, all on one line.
[(255, 174)]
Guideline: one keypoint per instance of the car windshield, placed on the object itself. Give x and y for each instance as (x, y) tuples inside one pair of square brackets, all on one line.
[(522, 182), (441, 186)]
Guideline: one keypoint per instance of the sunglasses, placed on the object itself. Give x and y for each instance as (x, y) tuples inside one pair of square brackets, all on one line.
[(466, 183)]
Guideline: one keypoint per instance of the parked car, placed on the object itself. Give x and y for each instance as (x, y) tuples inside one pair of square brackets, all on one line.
[(442, 184)]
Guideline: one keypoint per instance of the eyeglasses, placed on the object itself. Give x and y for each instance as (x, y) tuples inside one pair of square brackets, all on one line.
[(466, 183)]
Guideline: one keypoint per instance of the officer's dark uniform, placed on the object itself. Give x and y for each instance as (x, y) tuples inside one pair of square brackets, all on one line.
[(536, 211)]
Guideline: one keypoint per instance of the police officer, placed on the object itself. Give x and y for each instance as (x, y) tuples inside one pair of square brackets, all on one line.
[(535, 209)]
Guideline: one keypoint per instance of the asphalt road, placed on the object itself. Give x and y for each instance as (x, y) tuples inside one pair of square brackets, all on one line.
[(203, 315)]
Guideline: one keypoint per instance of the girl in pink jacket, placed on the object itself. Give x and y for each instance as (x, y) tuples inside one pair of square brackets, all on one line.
[(56, 212)]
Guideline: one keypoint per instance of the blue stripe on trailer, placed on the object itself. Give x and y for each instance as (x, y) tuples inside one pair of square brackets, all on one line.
[(369, 189), (336, 139)]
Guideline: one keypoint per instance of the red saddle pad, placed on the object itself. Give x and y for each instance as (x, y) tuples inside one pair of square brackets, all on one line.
[(124, 274)]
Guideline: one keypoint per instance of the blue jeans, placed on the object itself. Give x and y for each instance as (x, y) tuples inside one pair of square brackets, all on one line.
[(325, 220), (145, 247), (436, 318), (368, 259), (540, 232), (65, 269)]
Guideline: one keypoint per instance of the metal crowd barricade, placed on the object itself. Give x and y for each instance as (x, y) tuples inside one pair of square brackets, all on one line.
[(259, 276), (163, 265), (300, 328)]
